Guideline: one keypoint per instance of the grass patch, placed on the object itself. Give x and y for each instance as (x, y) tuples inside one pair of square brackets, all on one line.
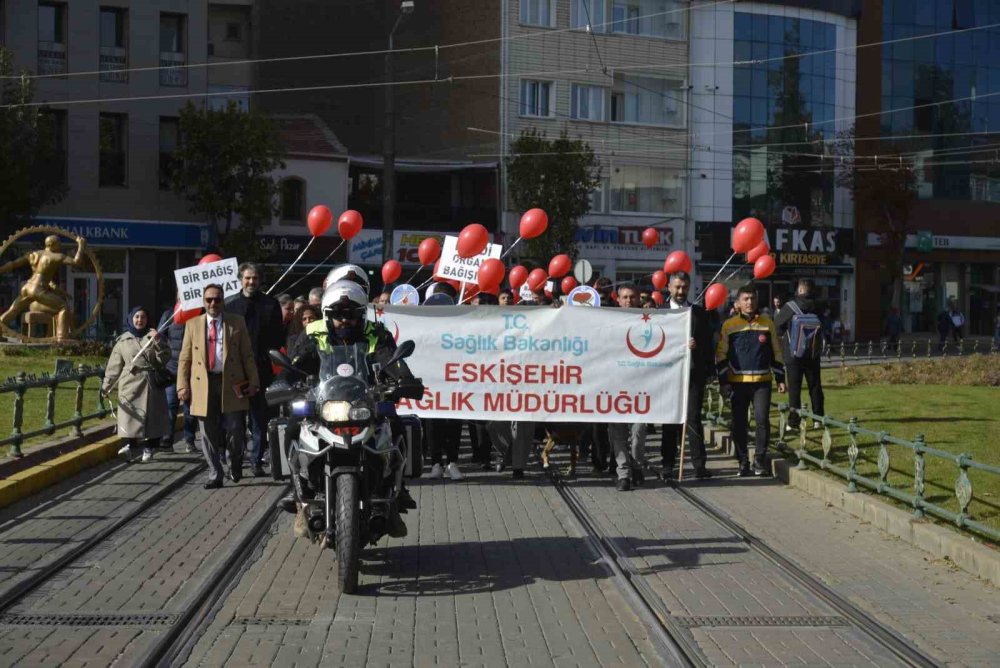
[(38, 361), (957, 414)]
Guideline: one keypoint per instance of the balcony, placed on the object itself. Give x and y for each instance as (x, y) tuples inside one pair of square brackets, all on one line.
[(174, 74), (113, 63), (51, 58)]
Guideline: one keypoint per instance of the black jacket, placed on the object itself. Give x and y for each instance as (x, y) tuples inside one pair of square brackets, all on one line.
[(174, 335), (703, 355), (265, 326)]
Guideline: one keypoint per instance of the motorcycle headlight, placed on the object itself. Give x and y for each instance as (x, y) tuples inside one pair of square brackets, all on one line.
[(360, 414), (336, 411)]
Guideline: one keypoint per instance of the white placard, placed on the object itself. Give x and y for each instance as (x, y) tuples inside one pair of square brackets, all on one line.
[(464, 269), (542, 364), (191, 281)]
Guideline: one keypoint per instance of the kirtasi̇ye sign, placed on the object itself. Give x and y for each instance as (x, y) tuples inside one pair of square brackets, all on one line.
[(790, 245), (540, 364)]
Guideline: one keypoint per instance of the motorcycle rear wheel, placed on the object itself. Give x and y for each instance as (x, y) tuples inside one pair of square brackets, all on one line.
[(348, 533)]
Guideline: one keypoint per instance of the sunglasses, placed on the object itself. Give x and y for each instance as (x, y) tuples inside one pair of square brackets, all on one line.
[(212, 300)]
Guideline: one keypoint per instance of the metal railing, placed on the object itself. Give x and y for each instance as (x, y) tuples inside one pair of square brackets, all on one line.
[(20, 384), (883, 350), (716, 413)]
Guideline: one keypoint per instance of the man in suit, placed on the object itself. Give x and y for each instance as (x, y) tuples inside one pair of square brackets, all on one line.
[(217, 375), (264, 324), (702, 362)]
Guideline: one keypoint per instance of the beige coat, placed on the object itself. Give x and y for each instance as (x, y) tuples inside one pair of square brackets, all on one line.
[(237, 364), (142, 406)]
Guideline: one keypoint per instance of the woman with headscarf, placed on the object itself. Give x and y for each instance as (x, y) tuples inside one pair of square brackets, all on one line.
[(142, 404)]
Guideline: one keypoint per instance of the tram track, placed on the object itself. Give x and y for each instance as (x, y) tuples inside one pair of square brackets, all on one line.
[(673, 638)]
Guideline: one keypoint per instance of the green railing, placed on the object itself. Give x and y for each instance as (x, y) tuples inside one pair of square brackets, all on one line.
[(882, 350), (20, 384), (716, 413)]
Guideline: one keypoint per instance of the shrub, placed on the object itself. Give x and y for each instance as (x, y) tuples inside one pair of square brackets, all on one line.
[(975, 370)]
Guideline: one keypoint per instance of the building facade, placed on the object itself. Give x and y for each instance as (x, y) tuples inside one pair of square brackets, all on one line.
[(933, 99), (773, 86)]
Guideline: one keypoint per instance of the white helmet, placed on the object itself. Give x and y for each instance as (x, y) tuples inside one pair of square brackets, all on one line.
[(350, 272), (345, 298)]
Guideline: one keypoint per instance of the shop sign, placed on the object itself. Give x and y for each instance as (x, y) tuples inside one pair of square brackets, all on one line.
[(925, 242), (791, 246), (942, 242), (134, 233), (366, 247), (612, 242), (282, 248)]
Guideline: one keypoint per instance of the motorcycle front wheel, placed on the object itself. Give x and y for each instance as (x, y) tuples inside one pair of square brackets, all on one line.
[(348, 533)]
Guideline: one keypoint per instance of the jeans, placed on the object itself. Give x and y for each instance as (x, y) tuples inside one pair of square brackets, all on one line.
[(795, 370), (695, 432), (260, 415), (745, 394), (190, 423)]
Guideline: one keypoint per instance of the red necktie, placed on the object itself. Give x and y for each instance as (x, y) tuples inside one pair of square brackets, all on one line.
[(212, 339)]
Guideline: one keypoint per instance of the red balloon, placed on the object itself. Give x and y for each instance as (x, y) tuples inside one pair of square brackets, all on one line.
[(748, 233), (757, 251), (677, 261), (536, 279), (391, 271), (472, 240), (518, 275), (715, 296), (533, 223), (763, 267), (181, 317), (659, 280), (319, 221), (658, 298), (349, 224), (568, 284), (650, 236), (560, 265), (211, 257), (491, 272), (429, 250)]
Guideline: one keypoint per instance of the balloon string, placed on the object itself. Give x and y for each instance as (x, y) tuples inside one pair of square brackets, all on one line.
[(707, 285), (738, 270), (159, 330), (425, 283), (419, 269), (291, 266), (512, 246), (320, 264)]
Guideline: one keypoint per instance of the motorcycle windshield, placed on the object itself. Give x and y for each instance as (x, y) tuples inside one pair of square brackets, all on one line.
[(344, 373)]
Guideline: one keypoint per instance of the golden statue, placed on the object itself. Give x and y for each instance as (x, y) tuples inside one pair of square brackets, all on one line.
[(41, 293)]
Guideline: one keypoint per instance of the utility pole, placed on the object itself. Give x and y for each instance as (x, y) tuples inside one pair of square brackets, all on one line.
[(389, 141)]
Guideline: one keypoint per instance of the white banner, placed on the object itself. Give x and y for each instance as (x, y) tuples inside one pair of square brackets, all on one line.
[(544, 364), (191, 280), (463, 269)]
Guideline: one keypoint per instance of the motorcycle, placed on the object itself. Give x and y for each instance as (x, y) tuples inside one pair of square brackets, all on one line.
[(343, 456)]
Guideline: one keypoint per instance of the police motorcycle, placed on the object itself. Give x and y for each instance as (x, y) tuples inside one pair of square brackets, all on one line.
[(341, 450)]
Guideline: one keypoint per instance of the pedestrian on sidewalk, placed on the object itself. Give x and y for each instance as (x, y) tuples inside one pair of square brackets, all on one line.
[(142, 404), (957, 320), (800, 330), (893, 328), (174, 338), (702, 361), (217, 374), (263, 322), (748, 359)]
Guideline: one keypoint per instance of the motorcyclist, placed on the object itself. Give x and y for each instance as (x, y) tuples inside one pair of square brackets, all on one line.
[(345, 322), (350, 272)]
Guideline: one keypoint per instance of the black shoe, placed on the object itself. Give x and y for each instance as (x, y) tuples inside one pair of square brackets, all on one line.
[(234, 475), (213, 484), (638, 477), (761, 471), (666, 475), (517, 474), (624, 484), (405, 501), (396, 526), (258, 471), (287, 503), (702, 473), (744, 471), (598, 469)]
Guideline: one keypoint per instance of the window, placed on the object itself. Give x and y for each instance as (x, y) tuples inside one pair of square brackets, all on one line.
[(647, 100), (536, 98), (293, 201), (587, 102), (596, 197), (234, 32), (170, 139), (53, 123), (114, 45), (583, 13), (114, 150), (51, 38), (172, 47), (640, 189), (538, 13), (650, 18), (238, 94)]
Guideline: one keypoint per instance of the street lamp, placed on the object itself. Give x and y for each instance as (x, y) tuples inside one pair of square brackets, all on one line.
[(389, 141)]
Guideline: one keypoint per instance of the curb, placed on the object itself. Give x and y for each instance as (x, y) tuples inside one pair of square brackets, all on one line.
[(32, 480), (941, 542)]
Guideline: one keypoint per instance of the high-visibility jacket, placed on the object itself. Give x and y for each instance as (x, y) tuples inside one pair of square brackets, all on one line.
[(320, 334)]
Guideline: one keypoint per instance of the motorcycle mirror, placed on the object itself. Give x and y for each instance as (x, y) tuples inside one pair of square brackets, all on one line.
[(404, 350), (281, 360)]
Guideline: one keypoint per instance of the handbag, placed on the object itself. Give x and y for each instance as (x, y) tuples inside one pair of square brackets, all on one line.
[(163, 377)]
